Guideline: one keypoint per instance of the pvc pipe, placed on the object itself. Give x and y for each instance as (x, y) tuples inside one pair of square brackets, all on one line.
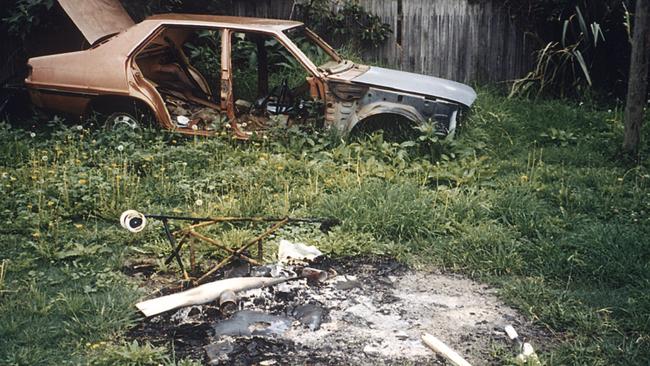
[(441, 348), (228, 302), (205, 293)]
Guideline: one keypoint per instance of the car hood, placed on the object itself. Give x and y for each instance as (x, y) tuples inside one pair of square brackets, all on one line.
[(417, 84), (97, 19)]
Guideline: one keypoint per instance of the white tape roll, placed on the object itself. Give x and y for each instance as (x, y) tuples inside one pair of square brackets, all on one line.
[(133, 221)]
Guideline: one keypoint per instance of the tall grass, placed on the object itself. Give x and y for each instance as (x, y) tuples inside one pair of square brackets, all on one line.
[(556, 224)]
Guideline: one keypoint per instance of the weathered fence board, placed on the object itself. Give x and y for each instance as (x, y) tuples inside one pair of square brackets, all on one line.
[(280, 9), (454, 39)]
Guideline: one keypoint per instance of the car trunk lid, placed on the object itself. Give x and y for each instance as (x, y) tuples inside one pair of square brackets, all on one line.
[(97, 19)]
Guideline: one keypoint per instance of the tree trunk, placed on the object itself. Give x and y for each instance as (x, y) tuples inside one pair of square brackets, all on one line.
[(637, 88)]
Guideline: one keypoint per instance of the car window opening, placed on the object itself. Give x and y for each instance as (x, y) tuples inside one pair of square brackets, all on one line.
[(270, 85), (184, 65)]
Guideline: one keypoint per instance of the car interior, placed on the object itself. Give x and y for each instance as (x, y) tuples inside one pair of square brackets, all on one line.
[(184, 66), (268, 81), (269, 84)]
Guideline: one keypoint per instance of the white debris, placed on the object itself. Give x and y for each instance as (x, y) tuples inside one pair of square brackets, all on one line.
[(293, 253), (512, 333), (182, 121), (371, 350)]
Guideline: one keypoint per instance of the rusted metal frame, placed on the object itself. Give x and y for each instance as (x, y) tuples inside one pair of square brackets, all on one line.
[(192, 257), (137, 81), (207, 221), (177, 249), (315, 81), (227, 94), (172, 243), (221, 246), (288, 44), (196, 226), (239, 251), (227, 91), (297, 53), (321, 42), (189, 232), (131, 61)]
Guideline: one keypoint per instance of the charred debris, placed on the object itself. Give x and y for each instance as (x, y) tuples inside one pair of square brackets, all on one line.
[(305, 308)]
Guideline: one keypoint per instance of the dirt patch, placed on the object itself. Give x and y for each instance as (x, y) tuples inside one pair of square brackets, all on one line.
[(372, 313)]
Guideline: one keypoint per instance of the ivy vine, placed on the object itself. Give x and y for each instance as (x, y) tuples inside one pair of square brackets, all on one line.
[(344, 21), (24, 16)]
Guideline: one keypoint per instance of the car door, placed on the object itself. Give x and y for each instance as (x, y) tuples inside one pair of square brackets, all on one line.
[(267, 80)]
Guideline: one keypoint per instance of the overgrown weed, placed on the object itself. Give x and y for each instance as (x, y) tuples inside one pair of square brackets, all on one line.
[(559, 227)]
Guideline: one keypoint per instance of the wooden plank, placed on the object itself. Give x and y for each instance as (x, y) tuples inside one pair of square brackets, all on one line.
[(455, 39)]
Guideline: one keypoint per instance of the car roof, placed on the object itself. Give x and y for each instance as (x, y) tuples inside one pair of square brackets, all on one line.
[(253, 24)]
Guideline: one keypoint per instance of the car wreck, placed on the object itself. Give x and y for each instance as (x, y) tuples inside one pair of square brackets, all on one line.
[(204, 74)]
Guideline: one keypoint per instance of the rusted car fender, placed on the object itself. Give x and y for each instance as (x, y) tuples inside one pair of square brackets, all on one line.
[(379, 108)]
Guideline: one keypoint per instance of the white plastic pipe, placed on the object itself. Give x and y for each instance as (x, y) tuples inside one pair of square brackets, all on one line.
[(441, 348), (205, 293)]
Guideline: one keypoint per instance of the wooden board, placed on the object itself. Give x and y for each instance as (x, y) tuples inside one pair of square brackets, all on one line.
[(452, 39)]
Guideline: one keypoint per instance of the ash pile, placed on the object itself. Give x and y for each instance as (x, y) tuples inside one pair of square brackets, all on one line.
[(361, 311)]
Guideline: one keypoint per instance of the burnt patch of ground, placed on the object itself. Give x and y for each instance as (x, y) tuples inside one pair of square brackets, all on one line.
[(372, 313)]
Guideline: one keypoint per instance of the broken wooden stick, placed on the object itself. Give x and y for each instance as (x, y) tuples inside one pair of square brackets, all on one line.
[(205, 293), (441, 348)]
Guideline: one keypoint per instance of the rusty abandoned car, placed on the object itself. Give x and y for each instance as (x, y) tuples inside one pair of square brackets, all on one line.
[(203, 74)]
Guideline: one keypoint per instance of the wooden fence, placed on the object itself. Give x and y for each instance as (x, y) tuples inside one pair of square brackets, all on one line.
[(462, 40)]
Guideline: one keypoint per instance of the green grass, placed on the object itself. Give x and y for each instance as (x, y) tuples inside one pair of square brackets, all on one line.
[(529, 198)]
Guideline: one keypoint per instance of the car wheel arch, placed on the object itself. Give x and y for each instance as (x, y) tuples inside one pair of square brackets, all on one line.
[(367, 113), (109, 104)]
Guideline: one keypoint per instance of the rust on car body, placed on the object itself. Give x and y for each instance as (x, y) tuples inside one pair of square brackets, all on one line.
[(147, 63)]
